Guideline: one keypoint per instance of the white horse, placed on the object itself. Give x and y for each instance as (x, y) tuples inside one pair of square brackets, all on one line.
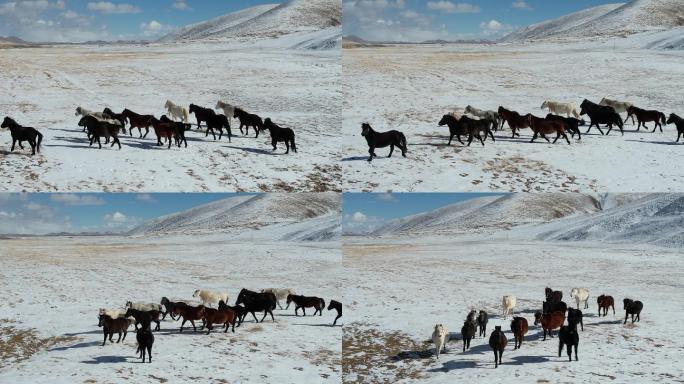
[(558, 108), (507, 305), (176, 111), (580, 295), (440, 336), (280, 294), (618, 106), (209, 297), (228, 109), (482, 114)]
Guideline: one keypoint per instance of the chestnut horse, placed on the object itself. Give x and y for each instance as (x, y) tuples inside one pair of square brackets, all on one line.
[(138, 121), (514, 119), (519, 328), (305, 302), (644, 116), (497, 341), (223, 315), (549, 321), (189, 313), (605, 301), (544, 127)]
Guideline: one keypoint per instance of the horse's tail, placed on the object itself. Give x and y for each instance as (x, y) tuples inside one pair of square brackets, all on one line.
[(402, 138), (322, 303), (40, 139), (662, 117), (292, 144), (186, 116)]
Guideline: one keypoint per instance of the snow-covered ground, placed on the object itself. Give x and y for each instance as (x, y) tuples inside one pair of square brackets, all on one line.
[(56, 285), (399, 288), (410, 87), (297, 88)]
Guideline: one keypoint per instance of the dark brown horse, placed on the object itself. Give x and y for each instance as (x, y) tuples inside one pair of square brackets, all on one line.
[(553, 296), (633, 308), (304, 302), (601, 114), (165, 130), (644, 116), (111, 326), (519, 328), (223, 315), (20, 134), (282, 135), (138, 121), (604, 302), (201, 114), (189, 313), (116, 116), (549, 321), (569, 336), (544, 127), (248, 120), (98, 129), (497, 341), (678, 122), (514, 119), (337, 306)]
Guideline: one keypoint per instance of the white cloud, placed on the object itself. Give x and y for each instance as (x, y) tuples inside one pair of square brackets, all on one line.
[(449, 7), (181, 4), (76, 199), (108, 7), (495, 28), (387, 197), (118, 221), (116, 217), (359, 222), (154, 28), (520, 5), (145, 197), (359, 217)]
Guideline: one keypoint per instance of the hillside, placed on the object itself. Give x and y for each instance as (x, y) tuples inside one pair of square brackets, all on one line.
[(280, 216)]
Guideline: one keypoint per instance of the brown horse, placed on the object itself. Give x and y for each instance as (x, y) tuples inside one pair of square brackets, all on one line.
[(138, 121), (111, 326), (304, 302), (549, 321), (166, 130), (519, 328), (544, 127), (223, 315), (190, 313), (605, 301), (497, 341), (514, 119), (643, 116)]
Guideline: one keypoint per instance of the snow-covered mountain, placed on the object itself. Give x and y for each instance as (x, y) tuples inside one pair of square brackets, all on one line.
[(294, 17), (286, 216), (493, 213), (610, 20)]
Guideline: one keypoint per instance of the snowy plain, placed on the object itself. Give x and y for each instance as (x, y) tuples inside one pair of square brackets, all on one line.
[(409, 88), (53, 287), (297, 88)]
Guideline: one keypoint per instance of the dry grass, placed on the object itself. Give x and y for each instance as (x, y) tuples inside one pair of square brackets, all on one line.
[(17, 345)]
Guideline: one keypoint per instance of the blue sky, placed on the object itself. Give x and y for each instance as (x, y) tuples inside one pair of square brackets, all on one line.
[(82, 20), (365, 211), (41, 213), (418, 20)]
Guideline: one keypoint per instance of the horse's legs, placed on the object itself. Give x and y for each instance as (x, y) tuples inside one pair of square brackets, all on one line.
[(479, 137), (570, 352), (371, 152), (451, 137), (271, 313), (560, 347), (496, 359), (14, 141), (626, 316), (304, 310), (534, 137), (470, 139), (459, 139), (274, 143), (287, 145), (104, 341), (296, 309), (391, 150), (335, 322), (119, 339), (265, 313), (556, 139), (255, 318)]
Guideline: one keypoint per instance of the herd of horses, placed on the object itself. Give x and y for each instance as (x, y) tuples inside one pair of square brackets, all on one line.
[(142, 315), (479, 124), (554, 314), (108, 125)]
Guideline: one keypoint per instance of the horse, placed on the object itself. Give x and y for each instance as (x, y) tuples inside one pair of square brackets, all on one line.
[(554, 306), (492, 116), (482, 319), (111, 326), (558, 108), (189, 313), (116, 116), (170, 307), (466, 125), (580, 295), (519, 327), (20, 133), (98, 128), (279, 134), (549, 321), (80, 111), (257, 302), (604, 302), (569, 336), (219, 122), (223, 315), (678, 122), (571, 124), (145, 340), (514, 119), (228, 109), (600, 114), (176, 111), (138, 121), (383, 139), (632, 308), (337, 306), (305, 302), (201, 113), (440, 336), (248, 120), (553, 296), (167, 130), (618, 106), (468, 331), (507, 304), (497, 341), (643, 116), (575, 317), (180, 129), (144, 317), (543, 127)]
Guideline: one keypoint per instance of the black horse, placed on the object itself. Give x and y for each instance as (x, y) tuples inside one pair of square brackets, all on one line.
[(248, 120), (482, 320), (257, 302), (218, 122), (466, 126), (116, 116), (568, 336), (468, 331), (601, 114), (278, 134), (571, 124), (337, 306), (98, 128), (382, 140), (678, 122), (201, 113), (20, 134), (497, 341), (554, 306), (633, 308), (145, 340), (575, 317), (179, 130)]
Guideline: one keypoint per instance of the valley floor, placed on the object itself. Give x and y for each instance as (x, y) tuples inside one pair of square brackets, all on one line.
[(398, 289), (409, 88), (53, 287), (41, 88)]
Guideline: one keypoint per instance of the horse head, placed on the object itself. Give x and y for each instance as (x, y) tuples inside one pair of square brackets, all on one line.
[(7, 122), (100, 319), (544, 104), (365, 129)]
